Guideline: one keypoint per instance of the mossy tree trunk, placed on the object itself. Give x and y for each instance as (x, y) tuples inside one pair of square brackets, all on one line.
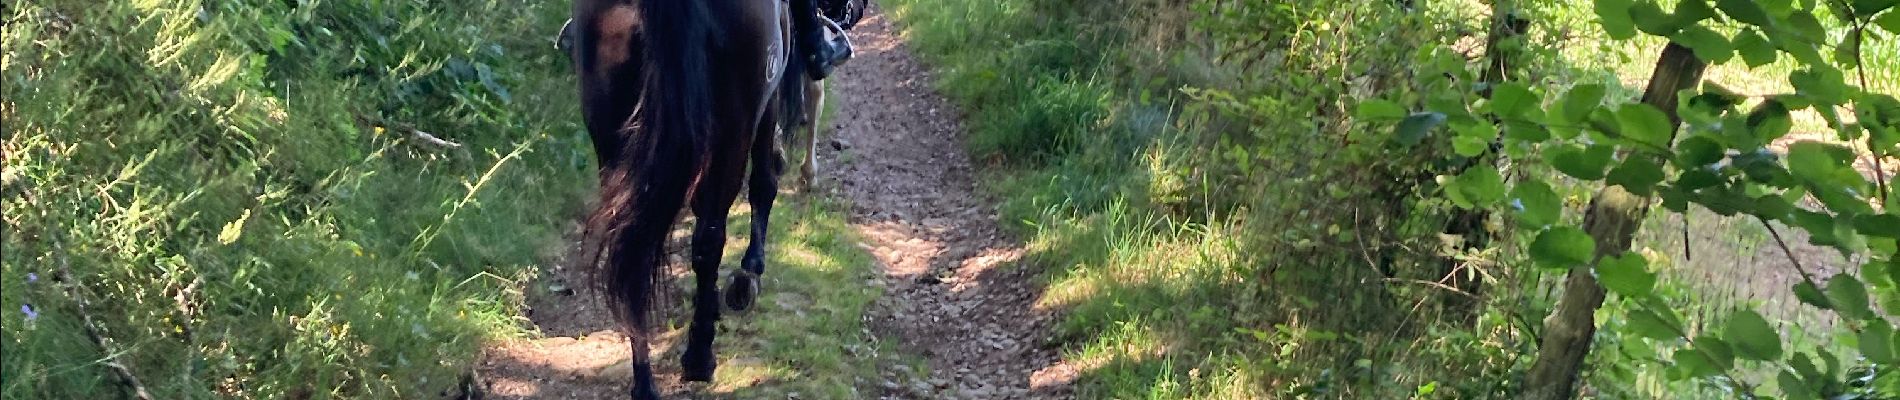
[(1611, 220)]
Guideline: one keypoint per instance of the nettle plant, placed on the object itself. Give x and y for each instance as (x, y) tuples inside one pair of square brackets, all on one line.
[(1691, 143)]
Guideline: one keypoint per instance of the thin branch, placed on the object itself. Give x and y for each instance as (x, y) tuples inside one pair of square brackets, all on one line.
[(1747, 392), (1805, 276), (1860, 69), (418, 134), (111, 359), (1433, 284)]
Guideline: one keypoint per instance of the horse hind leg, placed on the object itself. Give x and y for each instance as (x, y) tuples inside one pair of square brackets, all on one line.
[(711, 203), (768, 164), (814, 108), (642, 362)]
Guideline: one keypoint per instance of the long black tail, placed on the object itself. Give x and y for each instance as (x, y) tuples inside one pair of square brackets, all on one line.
[(666, 149)]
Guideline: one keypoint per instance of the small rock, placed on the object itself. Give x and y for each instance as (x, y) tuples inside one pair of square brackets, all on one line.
[(560, 289), (892, 386), (940, 382)]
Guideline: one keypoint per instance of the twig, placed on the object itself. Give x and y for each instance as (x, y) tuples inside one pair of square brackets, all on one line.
[(1433, 284), (111, 359), (1860, 70), (418, 134), (431, 139), (1880, 173), (1788, 251)]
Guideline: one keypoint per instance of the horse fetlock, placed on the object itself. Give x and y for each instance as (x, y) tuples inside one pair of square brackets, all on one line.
[(698, 365), (643, 387)]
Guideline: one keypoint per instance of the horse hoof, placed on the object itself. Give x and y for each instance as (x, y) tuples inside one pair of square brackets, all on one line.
[(741, 292), (697, 367), (646, 394)]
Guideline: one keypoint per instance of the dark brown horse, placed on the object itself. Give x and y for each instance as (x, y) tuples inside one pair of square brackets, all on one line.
[(679, 97)]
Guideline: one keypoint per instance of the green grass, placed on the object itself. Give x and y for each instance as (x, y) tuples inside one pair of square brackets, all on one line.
[(1177, 240), (263, 155), (1228, 244), (237, 190), (807, 336)]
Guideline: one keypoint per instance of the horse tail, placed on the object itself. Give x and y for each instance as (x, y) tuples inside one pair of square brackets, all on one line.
[(665, 151)]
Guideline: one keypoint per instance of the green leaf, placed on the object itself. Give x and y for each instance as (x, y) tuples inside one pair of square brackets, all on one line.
[(1807, 27), (1769, 121), (1562, 247), (1525, 131), (1469, 146), (1815, 161), (1698, 178), (1511, 99), (1379, 109), (1847, 53), (1646, 323), (1823, 84), (1753, 337), (1699, 151), (1803, 365), (1483, 185), (1637, 174), (1876, 341), (1882, 225), (1808, 293), (1536, 204), (1689, 12), (1848, 296), (1414, 128), (1745, 11), (1579, 102), (1867, 8), (1695, 362), (1582, 163), (1756, 50), (1615, 16), (1794, 387), (1889, 21), (1773, 207), (1708, 45), (1627, 275), (1717, 351), (1651, 19), (1478, 187), (1645, 124)]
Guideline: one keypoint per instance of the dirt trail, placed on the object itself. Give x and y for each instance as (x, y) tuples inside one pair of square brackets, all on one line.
[(953, 295)]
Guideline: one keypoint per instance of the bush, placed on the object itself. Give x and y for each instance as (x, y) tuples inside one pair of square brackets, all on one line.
[(243, 191)]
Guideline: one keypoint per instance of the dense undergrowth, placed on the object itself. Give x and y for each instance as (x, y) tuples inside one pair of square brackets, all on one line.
[(1213, 232), (1219, 218), (249, 195)]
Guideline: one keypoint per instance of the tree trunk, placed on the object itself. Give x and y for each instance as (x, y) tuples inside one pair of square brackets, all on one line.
[(1468, 224), (1612, 220)]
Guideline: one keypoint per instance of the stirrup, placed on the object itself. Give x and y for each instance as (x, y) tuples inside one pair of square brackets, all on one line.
[(564, 40)]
